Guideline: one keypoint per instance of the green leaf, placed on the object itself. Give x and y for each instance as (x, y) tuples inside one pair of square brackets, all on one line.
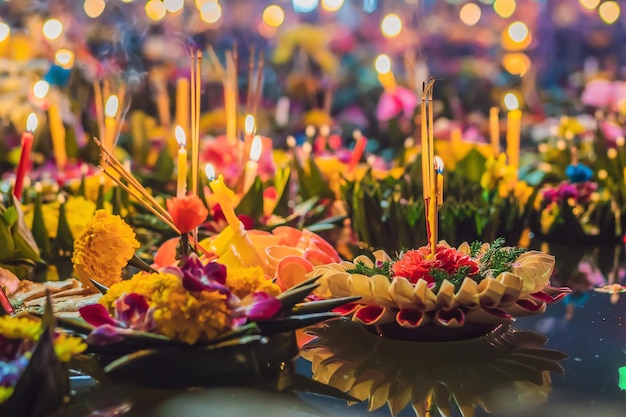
[(252, 202), (472, 166), (282, 184), (40, 233), (64, 242), (9, 216)]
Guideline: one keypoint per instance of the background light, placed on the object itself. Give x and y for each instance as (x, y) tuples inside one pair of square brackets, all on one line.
[(40, 89), (155, 9), (5, 31), (174, 6), (391, 25), (382, 64), (470, 14), (504, 8), (304, 6), (273, 15), (64, 58), (609, 12), (589, 4), (511, 102), (52, 29), (518, 31), (94, 8), (332, 5), (211, 12)]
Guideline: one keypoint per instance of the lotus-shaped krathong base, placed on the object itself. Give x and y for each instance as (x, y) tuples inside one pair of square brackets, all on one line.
[(501, 371), (420, 309)]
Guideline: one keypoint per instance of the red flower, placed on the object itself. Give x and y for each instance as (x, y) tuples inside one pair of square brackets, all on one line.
[(416, 264), (187, 212)]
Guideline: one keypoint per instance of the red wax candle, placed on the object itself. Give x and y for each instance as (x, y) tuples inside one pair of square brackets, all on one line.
[(24, 165), (359, 148), (5, 303)]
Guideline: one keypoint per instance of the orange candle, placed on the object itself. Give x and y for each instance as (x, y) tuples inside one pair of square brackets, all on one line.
[(359, 148)]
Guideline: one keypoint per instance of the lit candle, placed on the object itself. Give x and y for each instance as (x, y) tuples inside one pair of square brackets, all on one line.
[(514, 121), (253, 163), (182, 104), (359, 148), (436, 202), (181, 180), (249, 126), (110, 112), (57, 133), (224, 197), (385, 75), (24, 164), (494, 130)]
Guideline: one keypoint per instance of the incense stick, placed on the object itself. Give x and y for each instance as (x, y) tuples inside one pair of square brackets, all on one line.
[(259, 85), (97, 90), (195, 140)]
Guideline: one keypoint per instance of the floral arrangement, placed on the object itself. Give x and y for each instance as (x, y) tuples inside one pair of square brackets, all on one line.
[(471, 288)]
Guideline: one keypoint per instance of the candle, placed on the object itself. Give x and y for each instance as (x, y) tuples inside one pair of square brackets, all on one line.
[(494, 130), (5, 303), (253, 163), (428, 164), (514, 120), (385, 75), (456, 137), (181, 181), (224, 196), (110, 112), (359, 148), (24, 164), (57, 133), (436, 201), (182, 104)]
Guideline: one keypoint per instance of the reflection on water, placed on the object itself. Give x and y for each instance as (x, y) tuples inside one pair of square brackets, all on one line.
[(503, 370)]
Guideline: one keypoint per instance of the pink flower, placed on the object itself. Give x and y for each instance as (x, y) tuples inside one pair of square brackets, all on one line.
[(400, 102), (604, 93)]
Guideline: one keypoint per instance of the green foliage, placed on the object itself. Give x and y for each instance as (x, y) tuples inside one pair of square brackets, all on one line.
[(383, 269), (498, 259), (456, 279)]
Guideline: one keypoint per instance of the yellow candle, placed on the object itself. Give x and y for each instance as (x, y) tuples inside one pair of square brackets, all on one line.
[(494, 130), (456, 137), (57, 134), (385, 75), (253, 163), (514, 121), (224, 196), (110, 112), (181, 179), (182, 104)]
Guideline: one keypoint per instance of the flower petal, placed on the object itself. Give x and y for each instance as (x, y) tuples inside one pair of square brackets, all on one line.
[(261, 306), (410, 318), (105, 335), (96, 315), (369, 315)]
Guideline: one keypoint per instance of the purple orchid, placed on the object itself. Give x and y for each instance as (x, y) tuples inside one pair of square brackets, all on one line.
[(132, 313), (198, 277), (257, 306)]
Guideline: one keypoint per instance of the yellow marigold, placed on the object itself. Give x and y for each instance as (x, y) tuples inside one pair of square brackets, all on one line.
[(5, 393), (19, 328), (245, 280), (178, 313), (104, 249), (66, 346), (78, 211), (498, 175)]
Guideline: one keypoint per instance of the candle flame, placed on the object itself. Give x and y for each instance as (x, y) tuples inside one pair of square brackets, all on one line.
[(110, 109), (256, 148), (209, 170), (181, 138), (249, 124), (382, 64), (438, 165), (40, 89), (511, 101), (64, 58), (32, 122)]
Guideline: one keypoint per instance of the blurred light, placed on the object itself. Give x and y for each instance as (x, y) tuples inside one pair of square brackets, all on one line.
[(179, 134), (382, 64), (304, 6), (516, 63), (487, 1), (504, 8), (511, 102), (369, 6), (561, 145), (174, 6), (611, 153), (589, 4), (155, 9), (470, 14), (40, 89), (602, 174), (332, 5), (266, 30), (256, 148), (5, 31), (211, 12), (249, 124), (32, 122), (111, 106), (391, 25), (273, 15), (609, 12), (209, 170), (64, 58), (518, 31), (94, 8), (52, 29)]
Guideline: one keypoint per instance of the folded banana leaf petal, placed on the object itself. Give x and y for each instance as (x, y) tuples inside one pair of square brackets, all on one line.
[(100, 287), (293, 296), (302, 383), (290, 323), (321, 306)]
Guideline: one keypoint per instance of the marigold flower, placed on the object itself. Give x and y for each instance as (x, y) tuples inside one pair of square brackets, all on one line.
[(416, 264), (187, 212), (66, 346), (243, 281), (5, 393), (19, 328)]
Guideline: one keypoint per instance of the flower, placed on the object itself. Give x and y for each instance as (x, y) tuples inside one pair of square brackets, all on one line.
[(66, 346), (104, 249), (578, 173), (199, 277), (19, 328), (398, 103), (78, 212), (187, 212), (417, 264), (498, 175), (246, 280), (257, 306)]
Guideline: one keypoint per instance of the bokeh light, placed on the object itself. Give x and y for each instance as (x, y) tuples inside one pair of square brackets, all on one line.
[(40, 89), (273, 15), (391, 25), (155, 9), (174, 6), (382, 64), (305, 6), (470, 14), (94, 8), (516, 63), (52, 29), (211, 12), (5, 31), (589, 4), (64, 58), (111, 106), (511, 101), (332, 5), (609, 12), (518, 31), (504, 8)]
